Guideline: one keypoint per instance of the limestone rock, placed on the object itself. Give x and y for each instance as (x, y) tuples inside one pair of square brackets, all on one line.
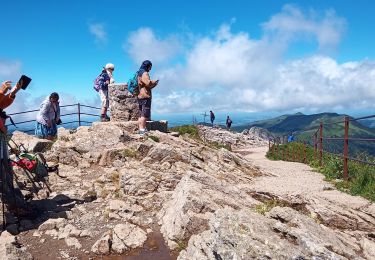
[(52, 224), (247, 235), (102, 246), (73, 242), (10, 249), (127, 236), (31, 143)]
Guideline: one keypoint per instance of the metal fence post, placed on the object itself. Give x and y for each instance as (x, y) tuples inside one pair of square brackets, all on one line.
[(79, 114), (346, 148), (321, 144)]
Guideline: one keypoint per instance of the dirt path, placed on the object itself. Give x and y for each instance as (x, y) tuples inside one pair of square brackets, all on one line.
[(299, 180)]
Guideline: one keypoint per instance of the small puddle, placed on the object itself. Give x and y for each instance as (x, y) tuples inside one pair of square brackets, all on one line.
[(154, 248)]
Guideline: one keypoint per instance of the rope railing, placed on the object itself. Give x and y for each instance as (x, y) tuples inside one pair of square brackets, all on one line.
[(78, 112), (317, 143)]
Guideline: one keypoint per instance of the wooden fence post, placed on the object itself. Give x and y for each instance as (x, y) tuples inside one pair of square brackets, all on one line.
[(316, 146), (321, 144), (346, 148)]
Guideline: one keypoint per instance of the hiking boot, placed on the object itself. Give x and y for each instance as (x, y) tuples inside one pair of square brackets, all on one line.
[(104, 119), (142, 132)]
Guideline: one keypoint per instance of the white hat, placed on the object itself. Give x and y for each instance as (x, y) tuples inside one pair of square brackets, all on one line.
[(109, 66)]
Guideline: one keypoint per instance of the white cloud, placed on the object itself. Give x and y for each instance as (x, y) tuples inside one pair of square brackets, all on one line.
[(144, 45), (231, 71), (234, 71), (99, 32), (10, 69), (292, 24)]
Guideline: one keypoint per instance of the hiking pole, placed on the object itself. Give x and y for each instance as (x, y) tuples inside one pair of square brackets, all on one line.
[(2, 193)]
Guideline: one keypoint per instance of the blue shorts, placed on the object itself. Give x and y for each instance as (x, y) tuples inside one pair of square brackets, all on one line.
[(144, 105)]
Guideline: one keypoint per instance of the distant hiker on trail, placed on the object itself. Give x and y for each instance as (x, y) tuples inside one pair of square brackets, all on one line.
[(212, 117), (10, 196), (145, 85), (48, 117), (229, 122), (101, 85), (291, 137)]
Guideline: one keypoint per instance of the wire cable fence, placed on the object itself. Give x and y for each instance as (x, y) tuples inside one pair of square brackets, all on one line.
[(75, 115), (323, 142)]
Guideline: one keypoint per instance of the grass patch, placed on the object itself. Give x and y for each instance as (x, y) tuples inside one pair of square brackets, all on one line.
[(181, 245), (191, 130), (154, 138), (361, 176), (217, 145), (267, 206), (129, 153), (115, 176)]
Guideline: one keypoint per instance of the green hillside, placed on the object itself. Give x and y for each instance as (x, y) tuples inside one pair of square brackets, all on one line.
[(304, 126)]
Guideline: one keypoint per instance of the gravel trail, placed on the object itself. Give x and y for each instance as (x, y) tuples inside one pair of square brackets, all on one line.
[(297, 179)]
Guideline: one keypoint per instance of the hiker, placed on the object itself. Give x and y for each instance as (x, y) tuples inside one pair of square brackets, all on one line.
[(291, 137), (229, 122), (104, 79), (48, 117), (212, 117), (145, 85), (10, 196)]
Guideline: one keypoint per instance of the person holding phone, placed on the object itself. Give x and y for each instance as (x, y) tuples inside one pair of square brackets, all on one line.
[(47, 117), (6, 99), (145, 85), (12, 197)]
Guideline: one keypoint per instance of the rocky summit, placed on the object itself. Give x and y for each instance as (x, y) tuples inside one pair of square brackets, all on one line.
[(178, 196)]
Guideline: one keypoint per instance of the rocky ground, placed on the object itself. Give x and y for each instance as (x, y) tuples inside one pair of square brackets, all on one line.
[(120, 196)]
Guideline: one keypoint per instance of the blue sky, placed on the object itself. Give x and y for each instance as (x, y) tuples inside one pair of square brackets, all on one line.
[(255, 56)]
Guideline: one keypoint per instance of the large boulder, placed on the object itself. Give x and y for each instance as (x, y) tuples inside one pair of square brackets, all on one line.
[(282, 234), (123, 106), (31, 143)]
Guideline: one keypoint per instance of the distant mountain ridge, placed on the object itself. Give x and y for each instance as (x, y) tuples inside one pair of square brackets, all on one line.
[(300, 122), (304, 126)]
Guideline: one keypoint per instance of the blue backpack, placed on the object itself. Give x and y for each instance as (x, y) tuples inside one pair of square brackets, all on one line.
[(133, 84)]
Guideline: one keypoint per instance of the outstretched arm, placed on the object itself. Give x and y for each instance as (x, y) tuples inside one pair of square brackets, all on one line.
[(7, 99)]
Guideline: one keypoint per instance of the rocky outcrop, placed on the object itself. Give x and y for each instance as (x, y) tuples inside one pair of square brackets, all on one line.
[(30, 143), (246, 138), (282, 234), (259, 132), (115, 189)]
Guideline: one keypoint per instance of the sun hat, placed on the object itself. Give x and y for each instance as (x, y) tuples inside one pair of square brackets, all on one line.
[(109, 66)]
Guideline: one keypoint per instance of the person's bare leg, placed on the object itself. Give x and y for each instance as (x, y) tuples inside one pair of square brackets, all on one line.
[(140, 123), (104, 110), (143, 122)]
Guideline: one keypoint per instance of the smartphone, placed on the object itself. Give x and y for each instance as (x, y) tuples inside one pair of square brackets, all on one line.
[(24, 81)]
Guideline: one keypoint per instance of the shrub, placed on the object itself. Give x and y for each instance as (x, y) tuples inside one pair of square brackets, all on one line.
[(129, 153)]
